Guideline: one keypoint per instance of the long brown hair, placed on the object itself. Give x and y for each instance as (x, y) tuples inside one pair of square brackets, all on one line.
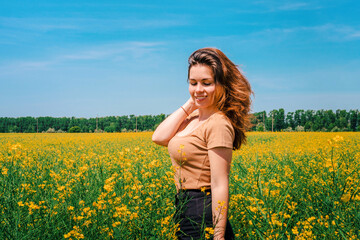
[(234, 97)]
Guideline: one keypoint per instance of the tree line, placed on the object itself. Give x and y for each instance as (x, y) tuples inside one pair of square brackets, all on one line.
[(66, 124), (275, 120), (309, 120)]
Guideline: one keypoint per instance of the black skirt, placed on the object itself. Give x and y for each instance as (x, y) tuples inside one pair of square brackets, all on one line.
[(194, 215)]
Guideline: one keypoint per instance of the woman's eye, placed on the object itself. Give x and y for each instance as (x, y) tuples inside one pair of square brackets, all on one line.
[(193, 83), (207, 84)]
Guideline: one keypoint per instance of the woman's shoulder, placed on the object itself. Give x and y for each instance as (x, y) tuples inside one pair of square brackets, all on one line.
[(219, 131), (220, 122), (219, 118)]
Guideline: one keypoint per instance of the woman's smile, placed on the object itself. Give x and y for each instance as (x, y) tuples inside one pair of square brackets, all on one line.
[(202, 86), (199, 99)]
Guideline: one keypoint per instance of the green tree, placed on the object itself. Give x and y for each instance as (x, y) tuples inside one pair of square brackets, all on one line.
[(280, 120), (309, 116), (329, 117), (353, 119), (111, 127), (75, 129), (268, 122), (298, 118), (319, 120), (260, 127), (289, 121), (308, 126)]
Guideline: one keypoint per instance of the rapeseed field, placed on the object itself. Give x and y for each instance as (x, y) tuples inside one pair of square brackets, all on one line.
[(121, 186)]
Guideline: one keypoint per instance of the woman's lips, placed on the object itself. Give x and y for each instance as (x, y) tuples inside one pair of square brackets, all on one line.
[(199, 99)]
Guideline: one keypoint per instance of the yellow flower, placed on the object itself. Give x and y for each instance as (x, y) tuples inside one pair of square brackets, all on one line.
[(221, 203), (338, 138), (253, 209), (78, 218), (115, 224), (328, 163), (108, 188), (295, 231), (15, 146), (67, 235), (209, 230), (4, 171), (345, 198)]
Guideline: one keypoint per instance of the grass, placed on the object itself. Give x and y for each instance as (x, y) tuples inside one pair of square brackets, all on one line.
[(105, 186)]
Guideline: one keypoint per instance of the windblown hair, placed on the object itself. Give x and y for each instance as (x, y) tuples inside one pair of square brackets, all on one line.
[(234, 99)]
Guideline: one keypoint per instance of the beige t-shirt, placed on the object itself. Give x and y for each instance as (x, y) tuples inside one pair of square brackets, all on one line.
[(189, 153)]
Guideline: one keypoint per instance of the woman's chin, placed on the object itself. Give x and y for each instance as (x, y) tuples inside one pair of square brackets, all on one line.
[(203, 106), (199, 105)]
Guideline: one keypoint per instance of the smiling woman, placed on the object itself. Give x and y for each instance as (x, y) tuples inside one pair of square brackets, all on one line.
[(202, 86), (200, 136)]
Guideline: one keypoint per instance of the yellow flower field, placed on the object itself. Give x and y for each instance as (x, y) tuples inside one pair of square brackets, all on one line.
[(120, 186)]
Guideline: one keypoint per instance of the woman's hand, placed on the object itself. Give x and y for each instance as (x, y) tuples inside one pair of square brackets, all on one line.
[(189, 106)]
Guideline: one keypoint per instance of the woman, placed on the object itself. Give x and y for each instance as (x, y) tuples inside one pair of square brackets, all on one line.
[(200, 137)]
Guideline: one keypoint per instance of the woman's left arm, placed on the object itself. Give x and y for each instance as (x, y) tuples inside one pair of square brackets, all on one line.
[(220, 161)]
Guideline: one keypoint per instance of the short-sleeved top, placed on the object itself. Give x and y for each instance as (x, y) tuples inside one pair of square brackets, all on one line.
[(189, 153)]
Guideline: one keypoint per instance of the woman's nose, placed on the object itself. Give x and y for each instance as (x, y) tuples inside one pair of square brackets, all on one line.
[(199, 88)]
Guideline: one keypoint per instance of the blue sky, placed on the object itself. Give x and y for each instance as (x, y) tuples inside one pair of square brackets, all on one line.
[(105, 58)]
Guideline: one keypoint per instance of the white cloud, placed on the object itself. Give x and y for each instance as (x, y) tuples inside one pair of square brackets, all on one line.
[(40, 24), (327, 31), (285, 5), (319, 78), (92, 24), (113, 51), (130, 49), (271, 83), (293, 6)]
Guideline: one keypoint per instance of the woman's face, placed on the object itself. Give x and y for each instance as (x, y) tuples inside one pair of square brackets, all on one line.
[(202, 86)]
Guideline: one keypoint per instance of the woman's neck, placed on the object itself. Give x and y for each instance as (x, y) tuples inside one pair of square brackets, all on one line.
[(205, 113)]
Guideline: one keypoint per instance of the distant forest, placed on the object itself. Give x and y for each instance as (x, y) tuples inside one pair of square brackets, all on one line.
[(275, 120)]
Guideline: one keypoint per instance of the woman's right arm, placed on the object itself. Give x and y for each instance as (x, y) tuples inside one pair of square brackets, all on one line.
[(170, 126)]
